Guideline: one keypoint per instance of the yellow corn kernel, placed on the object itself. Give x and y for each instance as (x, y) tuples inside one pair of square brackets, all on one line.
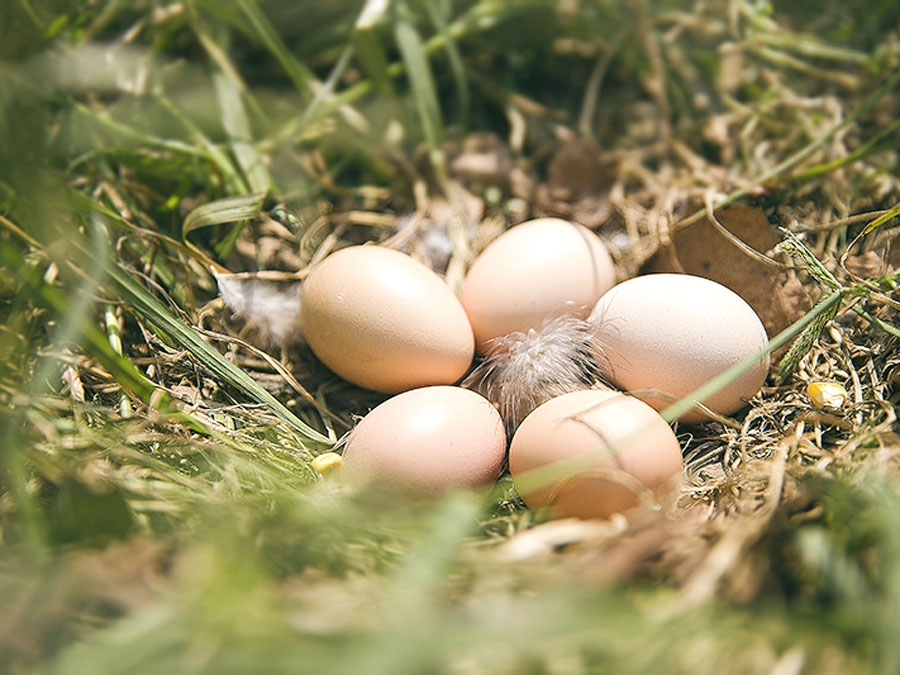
[(827, 394), (326, 462)]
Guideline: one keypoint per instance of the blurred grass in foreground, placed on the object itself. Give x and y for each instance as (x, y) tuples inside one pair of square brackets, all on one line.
[(158, 512)]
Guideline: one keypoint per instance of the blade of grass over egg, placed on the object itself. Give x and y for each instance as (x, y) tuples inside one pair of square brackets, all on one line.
[(823, 308), (547, 475)]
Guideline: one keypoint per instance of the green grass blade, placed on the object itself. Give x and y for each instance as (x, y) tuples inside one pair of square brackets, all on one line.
[(220, 212), (237, 126), (827, 306), (548, 474), (303, 78), (114, 336), (155, 313), (806, 340), (457, 68), (234, 181), (368, 45), (795, 248), (160, 318), (421, 81), (138, 138), (886, 139), (890, 214), (781, 169), (61, 304)]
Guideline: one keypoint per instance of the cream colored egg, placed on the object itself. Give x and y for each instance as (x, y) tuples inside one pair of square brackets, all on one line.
[(537, 270), (382, 320), (665, 335), (594, 453), (427, 440)]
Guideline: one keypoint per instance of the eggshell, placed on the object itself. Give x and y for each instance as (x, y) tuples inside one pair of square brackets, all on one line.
[(382, 320), (672, 333), (427, 440), (537, 270), (623, 449)]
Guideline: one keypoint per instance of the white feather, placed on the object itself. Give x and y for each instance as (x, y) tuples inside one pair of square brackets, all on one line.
[(270, 307)]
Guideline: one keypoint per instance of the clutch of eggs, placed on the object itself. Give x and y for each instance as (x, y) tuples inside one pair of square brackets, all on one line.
[(383, 321)]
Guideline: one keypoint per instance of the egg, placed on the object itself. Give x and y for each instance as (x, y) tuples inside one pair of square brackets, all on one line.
[(384, 321), (662, 336), (613, 453), (535, 271), (427, 440)]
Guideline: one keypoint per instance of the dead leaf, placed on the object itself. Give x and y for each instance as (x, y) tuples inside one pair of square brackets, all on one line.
[(869, 265)]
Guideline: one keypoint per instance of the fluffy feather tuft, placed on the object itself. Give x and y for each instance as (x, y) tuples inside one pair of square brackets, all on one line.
[(270, 307), (522, 370)]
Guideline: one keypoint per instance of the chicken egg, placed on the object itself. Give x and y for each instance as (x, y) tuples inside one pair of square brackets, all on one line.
[(427, 440), (384, 321), (662, 336), (538, 270), (594, 453)]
